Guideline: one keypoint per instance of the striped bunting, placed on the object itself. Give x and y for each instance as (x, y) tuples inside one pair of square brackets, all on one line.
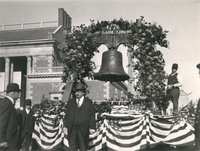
[(122, 132), (165, 131), (46, 134)]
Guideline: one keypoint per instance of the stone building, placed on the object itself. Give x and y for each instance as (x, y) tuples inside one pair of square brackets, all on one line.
[(30, 56)]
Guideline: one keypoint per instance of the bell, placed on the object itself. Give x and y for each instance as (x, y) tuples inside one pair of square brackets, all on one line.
[(111, 67)]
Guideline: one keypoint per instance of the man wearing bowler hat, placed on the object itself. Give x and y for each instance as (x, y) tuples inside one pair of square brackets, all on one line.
[(79, 120), (173, 84), (8, 119), (27, 121)]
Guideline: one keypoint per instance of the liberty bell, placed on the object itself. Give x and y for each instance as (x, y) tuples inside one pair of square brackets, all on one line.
[(111, 67)]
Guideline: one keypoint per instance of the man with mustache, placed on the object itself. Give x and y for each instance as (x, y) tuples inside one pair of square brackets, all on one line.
[(79, 120)]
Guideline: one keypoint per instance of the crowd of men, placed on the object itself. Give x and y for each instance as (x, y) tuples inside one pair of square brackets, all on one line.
[(17, 126)]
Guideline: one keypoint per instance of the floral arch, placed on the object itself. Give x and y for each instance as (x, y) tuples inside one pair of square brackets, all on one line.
[(142, 42)]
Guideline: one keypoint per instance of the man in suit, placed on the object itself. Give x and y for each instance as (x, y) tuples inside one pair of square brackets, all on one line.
[(197, 126), (27, 121), (79, 120), (197, 122), (8, 119), (173, 84)]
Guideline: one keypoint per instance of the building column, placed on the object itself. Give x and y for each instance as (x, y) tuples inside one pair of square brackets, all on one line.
[(29, 71), (11, 71), (28, 65), (7, 71), (34, 63), (50, 63)]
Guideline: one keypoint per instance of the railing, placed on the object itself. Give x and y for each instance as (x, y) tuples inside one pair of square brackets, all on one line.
[(47, 70), (29, 25)]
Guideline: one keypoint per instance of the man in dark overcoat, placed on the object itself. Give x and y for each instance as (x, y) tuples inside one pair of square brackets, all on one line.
[(197, 126), (79, 120), (27, 121), (197, 122), (8, 119)]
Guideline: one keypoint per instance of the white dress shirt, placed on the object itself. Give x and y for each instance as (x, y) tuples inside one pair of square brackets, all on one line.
[(179, 79), (27, 111), (80, 102)]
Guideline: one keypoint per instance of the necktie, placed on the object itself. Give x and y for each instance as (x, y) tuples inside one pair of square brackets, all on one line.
[(79, 103)]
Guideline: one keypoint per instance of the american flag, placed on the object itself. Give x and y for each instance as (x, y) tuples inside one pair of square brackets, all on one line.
[(122, 132)]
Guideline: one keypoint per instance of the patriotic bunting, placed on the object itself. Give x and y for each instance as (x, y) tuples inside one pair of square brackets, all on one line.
[(121, 132), (46, 134)]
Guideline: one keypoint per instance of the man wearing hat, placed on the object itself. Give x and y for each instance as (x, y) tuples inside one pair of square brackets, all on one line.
[(8, 119), (197, 122), (79, 120), (173, 84), (27, 121)]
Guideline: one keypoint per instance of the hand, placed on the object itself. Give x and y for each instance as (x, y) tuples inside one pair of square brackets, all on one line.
[(4, 144), (30, 148), (92, 131), (65, 130), (169, 86)]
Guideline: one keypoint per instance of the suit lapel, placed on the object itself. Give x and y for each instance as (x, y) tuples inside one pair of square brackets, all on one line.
[(83, 104), (30, 113), (74, 105)]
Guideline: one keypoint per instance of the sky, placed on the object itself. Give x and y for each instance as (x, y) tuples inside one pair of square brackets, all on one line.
[(180, 17)]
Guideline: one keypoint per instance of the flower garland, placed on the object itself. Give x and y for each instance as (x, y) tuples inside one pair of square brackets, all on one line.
[(77, 54), (149, 61), (50, 107), (145, 58)]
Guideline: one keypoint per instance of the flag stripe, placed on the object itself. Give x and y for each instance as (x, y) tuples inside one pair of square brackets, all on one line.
[(47, 135), (121, 132)]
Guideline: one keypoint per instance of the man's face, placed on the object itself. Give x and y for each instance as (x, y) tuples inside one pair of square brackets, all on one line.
[(16, 95), (174, 70), (28, 107), (79, 94)]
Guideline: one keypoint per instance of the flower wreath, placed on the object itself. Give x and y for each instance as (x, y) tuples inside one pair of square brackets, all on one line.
[(147, 62)]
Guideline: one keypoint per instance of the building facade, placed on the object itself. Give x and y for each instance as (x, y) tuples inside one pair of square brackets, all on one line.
[(30, 56)]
